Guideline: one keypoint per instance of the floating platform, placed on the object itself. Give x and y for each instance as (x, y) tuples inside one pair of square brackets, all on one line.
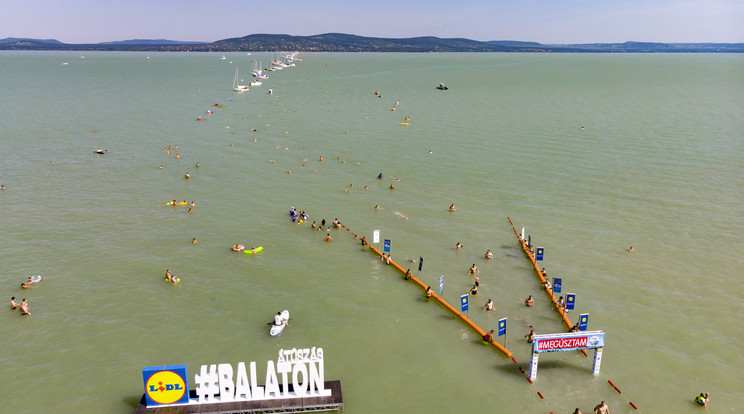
[(310, 404)]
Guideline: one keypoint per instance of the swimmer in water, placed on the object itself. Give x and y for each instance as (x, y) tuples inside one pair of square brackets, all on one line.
[(25, 286), (197, 164), (428, 292), (193, 241), (458, 245), (24, 308), (452, 208), (488, 254), (488, 305), (530, 336), (529, 301), (13, 303), (187, 175), (631, 249), (328, 237), (377, 206), (473, 269)]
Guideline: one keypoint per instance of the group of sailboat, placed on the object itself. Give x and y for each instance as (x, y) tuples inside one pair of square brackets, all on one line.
[(277, 64)]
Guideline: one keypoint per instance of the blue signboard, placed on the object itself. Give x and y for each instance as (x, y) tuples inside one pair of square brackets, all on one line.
[(570, 301), (557, 284), (539, 252), (386, 246), (421, 263), (167, 384), (502, 327), (441, 284), (463, 303), (583, 321)]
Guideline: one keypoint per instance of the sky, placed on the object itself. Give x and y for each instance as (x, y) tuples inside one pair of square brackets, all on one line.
[(544, 21)]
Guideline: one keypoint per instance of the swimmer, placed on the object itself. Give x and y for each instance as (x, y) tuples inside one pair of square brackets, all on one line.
[(314, 226), (24, 308), (387, 261), (703, 399), (452, 208), (488, 337), (328, 237), (197, 164), (252, 249), (473, 269), (13, 303), (365, 187), (31, 280), (25, 286), (178, 157), (474, 290), (51, 162), (577, 411), (488, 305), (546, 284), (408, 274), (428, 292), (187, 175), (458, 245), (631, 249), (392, 187), (364, 241), (193, 241), (377, 206), (320, 159), (477, 281), (529, 301), (168, 276), (175, 203), (561, 305), (488, 254), (2, 187), (161, 166), (193, 204), (379, 176), (602, 408), (530, 336)]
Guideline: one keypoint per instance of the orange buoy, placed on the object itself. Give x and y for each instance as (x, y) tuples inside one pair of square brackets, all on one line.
[(540, 394), (633, 405), (615, 387)]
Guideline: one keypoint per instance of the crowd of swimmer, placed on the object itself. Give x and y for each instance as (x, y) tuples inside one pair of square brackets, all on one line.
[(23, 306)]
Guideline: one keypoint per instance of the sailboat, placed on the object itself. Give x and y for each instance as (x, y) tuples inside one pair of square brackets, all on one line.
[(236, 86)]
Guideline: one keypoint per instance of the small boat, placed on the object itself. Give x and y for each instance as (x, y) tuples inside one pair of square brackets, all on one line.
[(256, 83), (223, 57), (199, 119), (237, 87), (441, 87)]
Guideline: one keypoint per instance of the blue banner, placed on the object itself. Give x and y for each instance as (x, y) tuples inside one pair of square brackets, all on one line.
[(557, 284), (421, 263), (386, 245), (529, 241), (539, 252), (463, 303), (502, 327), (583, 321), (441, 284), (570, 301)]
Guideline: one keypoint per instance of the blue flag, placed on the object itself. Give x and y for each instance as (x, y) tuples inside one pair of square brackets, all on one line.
[(557, 284), (539, 253), (463, 303), (570, 301), (529, 241), (441, 284), (583, 321), (421, 263), (386, 245), (502, 327)]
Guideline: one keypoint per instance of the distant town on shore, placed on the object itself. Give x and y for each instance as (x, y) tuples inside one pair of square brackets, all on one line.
[(339, 42)]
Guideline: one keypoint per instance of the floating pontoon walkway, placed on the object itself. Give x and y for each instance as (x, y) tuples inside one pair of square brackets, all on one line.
[(313, 404)]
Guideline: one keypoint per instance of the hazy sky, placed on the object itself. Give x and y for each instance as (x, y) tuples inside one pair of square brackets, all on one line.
[(545, 21)]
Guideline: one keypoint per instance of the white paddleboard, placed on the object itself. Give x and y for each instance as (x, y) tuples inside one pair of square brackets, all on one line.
[(276, 329)]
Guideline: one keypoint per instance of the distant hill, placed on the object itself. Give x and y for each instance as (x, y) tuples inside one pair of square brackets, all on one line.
[(340, 42), (151, 42)]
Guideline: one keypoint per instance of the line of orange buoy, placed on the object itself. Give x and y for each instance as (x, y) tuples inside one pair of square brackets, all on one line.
[(444, 303), (549, 292)]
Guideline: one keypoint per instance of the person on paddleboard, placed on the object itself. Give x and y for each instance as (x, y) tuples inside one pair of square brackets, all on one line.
[(278, 319)]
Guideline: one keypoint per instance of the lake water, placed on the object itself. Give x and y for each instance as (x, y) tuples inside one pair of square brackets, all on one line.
[(659, 165)]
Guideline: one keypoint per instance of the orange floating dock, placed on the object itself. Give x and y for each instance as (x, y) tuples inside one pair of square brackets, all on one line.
[(447, 306), (549, 292)]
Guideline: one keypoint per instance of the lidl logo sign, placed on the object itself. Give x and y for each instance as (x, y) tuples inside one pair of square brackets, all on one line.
[(166, 384)]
